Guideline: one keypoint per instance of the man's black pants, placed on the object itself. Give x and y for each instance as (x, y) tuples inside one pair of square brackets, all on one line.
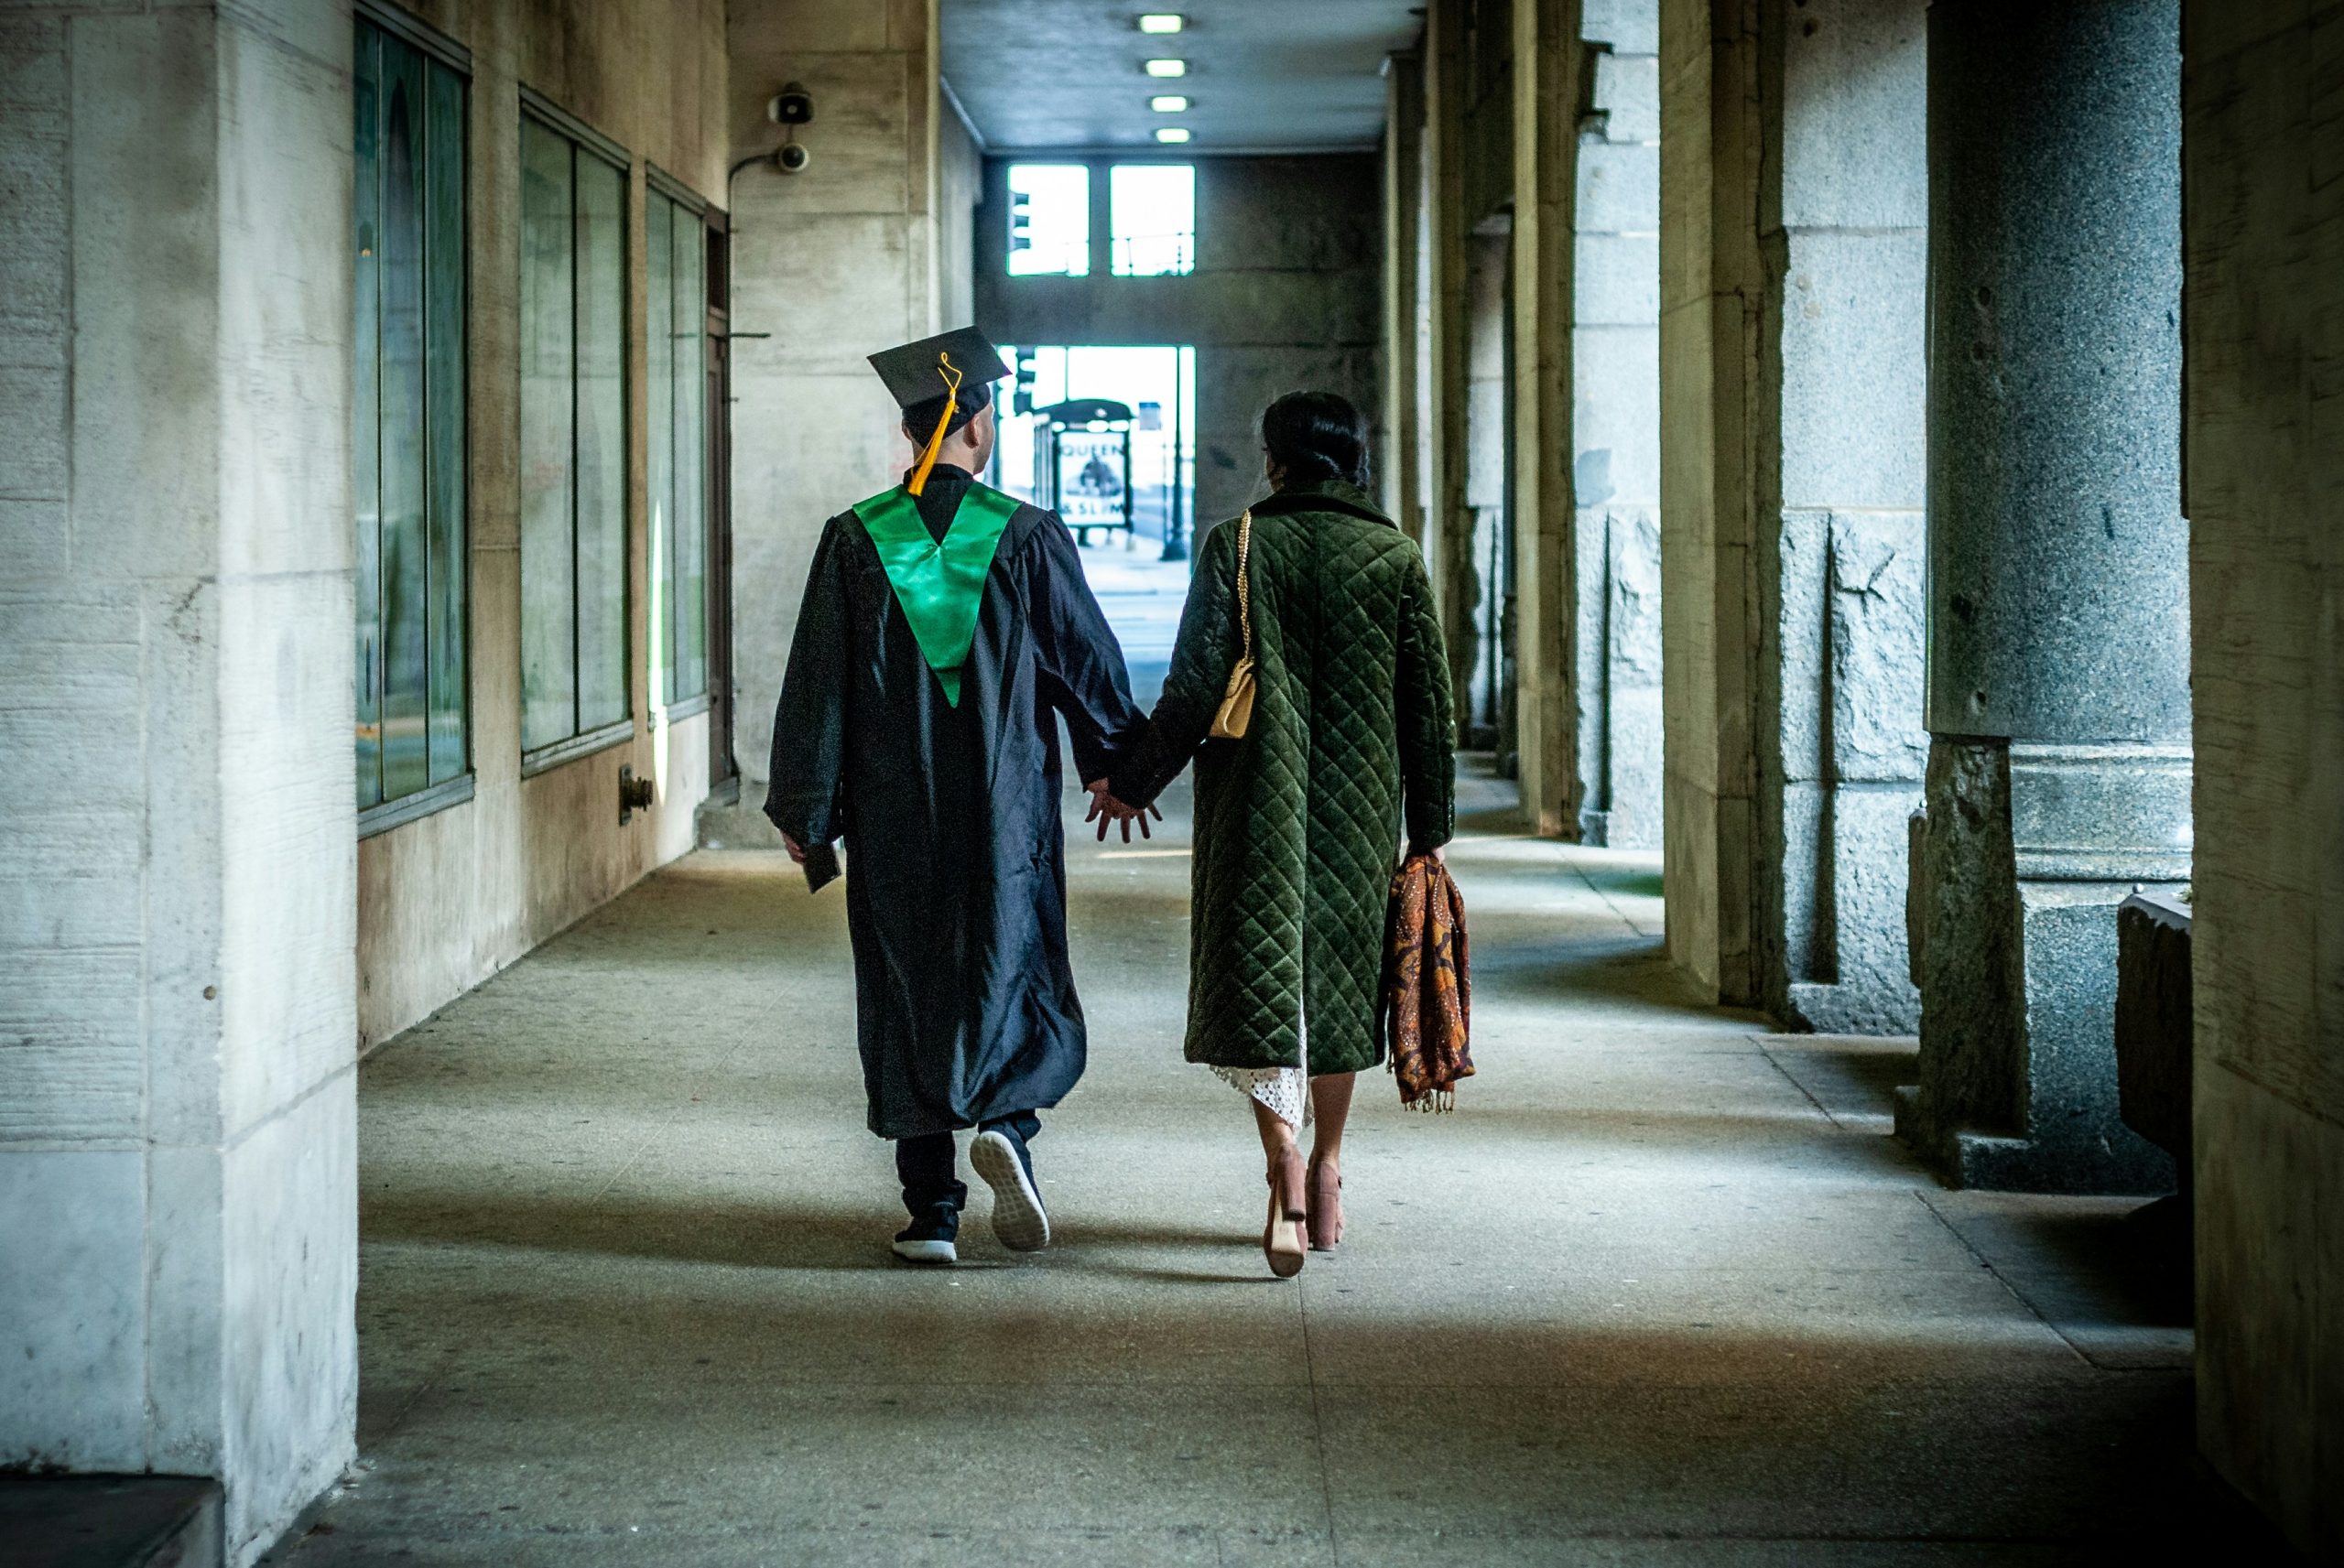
[(925, 1163)]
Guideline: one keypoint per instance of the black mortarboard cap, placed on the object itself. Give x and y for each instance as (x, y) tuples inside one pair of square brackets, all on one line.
[(915, 372)]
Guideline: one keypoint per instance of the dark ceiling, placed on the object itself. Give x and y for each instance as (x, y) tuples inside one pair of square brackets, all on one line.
[(1263, 75)]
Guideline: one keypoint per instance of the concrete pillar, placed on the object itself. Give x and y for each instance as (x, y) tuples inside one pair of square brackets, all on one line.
[(2058, 686), (1399, 469), (1546, 55), (1443, 356), (1791, 441), (1615, 426), (2264, 275), (178, 1119)]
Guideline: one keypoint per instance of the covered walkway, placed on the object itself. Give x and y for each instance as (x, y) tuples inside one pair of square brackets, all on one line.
[(1662, 1290)]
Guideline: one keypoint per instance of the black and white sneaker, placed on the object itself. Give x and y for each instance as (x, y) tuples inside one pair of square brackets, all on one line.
[(1018, 1218), (930, 1240)]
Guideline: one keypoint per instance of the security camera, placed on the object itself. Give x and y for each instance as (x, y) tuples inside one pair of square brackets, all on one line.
[(793, 105), (793, 157)]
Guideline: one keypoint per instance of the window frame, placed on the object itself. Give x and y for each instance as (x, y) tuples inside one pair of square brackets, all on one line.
[(584, 139), (384, 815), (692, 209)]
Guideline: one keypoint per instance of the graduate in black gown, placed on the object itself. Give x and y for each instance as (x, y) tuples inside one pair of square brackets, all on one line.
[(947, 629)]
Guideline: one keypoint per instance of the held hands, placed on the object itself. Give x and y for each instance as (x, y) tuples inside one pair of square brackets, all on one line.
[(1106, 810)]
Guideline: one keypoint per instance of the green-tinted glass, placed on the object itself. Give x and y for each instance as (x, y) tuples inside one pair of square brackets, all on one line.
[(443, 294), (690, 290), (406, 607), (366, 410), (549, 337), (601, 444), (659, 472)]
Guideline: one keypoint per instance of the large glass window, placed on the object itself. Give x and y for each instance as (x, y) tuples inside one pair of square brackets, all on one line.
[(407, 403), (675, 317), (1049, 218), (573, 445), (1152, 218)]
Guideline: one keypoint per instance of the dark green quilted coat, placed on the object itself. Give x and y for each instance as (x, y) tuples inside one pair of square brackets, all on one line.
[(1298, 825)]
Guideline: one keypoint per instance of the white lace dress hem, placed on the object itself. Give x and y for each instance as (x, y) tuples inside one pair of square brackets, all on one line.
[(1285, 1091)]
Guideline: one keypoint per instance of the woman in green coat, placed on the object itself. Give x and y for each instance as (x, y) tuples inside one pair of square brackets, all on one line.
[(1299, 822)]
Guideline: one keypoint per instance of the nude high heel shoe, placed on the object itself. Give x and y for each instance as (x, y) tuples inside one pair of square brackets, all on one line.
[(1282, 1239), (1326, 1207)]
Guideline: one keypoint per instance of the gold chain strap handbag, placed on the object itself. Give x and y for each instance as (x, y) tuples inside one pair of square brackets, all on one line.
[(1237, 704)]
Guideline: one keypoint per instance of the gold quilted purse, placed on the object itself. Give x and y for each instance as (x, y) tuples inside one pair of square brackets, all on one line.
[(1237, 703)]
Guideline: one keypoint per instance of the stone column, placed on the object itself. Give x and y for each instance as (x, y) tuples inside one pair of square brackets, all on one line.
[(1546, 55), (2058, 689), (1399, 463), (1448, 552), (1791, 473), (179, 1248)]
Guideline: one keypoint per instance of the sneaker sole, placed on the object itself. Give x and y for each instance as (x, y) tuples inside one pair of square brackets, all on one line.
[(930, 1253), (1018, 1218)]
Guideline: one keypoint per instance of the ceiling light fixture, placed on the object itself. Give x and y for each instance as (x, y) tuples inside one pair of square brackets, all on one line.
[(1173, 134), (1168, 104), (1162, 22), (1167, 68)]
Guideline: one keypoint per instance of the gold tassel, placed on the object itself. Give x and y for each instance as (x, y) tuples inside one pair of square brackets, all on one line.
[(935, 440)]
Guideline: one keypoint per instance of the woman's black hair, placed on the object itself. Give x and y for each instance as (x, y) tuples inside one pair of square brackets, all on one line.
[(1315, 437)]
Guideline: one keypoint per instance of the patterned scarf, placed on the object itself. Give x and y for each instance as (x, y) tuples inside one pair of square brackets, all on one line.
[(1428, 985)]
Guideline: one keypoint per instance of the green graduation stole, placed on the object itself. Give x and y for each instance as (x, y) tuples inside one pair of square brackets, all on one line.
[(938, 585)]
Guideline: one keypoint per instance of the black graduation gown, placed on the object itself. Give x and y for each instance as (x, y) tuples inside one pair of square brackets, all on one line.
[(956, 865)]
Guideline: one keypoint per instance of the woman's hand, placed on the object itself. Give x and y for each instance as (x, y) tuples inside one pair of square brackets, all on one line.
[(797, 850)]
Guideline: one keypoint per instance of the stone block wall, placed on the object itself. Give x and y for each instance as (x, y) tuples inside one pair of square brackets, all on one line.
[(2263, 143), (178, 1213), (1843, 687), (1615, 428)]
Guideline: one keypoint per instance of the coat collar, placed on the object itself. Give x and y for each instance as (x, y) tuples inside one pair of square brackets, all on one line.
[(1326, 495)]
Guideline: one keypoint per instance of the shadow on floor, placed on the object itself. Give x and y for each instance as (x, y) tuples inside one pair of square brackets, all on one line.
[(715, 1231)]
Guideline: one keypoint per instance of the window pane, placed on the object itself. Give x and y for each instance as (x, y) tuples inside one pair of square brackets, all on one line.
[(548, 567), (1049, 218), (366, 409), (406, 610), (692, 457), (659, 417), (1152, 217), (444, 360), (601, 444)]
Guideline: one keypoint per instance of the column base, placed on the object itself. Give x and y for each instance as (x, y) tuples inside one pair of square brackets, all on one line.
[(2027, 851), (1998, 1162)]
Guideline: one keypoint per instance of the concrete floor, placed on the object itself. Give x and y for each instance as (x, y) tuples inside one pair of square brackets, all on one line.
[(1661, 1290)]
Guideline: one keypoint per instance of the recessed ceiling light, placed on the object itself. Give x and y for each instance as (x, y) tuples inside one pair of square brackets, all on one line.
[(1168, 104), (1162, 22), (1167, 68), (1172, 132)]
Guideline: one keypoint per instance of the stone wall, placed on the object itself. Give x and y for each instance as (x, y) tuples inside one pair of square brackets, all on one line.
[(1286, 293), (448, 900), (2263, 139), (1615, 426), (177, 1215), (829, 265), (1792, 266)]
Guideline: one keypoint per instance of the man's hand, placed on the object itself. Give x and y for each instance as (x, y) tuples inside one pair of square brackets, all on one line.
[(797, 850), (1106, 810)]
